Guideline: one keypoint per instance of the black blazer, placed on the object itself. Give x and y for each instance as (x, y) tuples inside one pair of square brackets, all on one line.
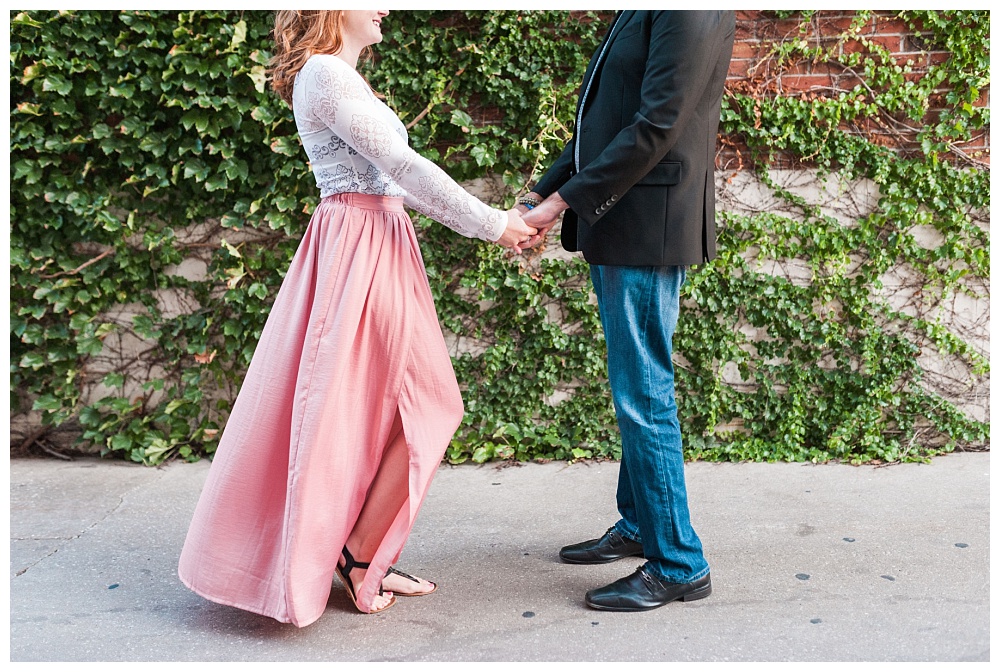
[(644, 194)]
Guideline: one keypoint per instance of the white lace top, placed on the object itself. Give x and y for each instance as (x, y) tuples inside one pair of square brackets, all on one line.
[(357, 144)]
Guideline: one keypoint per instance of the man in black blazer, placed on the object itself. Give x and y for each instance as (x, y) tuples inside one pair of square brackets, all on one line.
[(635, 187)]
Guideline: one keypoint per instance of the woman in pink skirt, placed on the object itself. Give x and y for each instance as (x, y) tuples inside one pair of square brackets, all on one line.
[(350, 400)]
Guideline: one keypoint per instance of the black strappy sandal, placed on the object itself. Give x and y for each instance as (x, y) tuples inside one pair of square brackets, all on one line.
[(393, 570), (345, 577)]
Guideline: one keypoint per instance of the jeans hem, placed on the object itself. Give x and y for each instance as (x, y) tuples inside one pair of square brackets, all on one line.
[(694, 577), (625, 533)]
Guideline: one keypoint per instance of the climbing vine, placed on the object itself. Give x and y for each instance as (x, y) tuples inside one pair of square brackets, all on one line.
[(158, 192)]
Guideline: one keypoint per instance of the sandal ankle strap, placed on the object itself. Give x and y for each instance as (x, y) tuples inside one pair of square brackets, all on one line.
[(350, 563)]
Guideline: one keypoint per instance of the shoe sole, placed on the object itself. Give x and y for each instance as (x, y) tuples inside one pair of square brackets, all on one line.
[(396, 593), (699, 594), (600, 562)]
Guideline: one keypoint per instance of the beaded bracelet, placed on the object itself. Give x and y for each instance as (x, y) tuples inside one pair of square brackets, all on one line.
[(528, 202)]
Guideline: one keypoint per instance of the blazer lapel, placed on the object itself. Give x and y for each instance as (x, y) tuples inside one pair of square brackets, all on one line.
[(594, 72), (597, 55), (596, 63)]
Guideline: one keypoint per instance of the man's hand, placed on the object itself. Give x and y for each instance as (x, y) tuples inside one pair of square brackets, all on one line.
[(517, 234), (543, 217)]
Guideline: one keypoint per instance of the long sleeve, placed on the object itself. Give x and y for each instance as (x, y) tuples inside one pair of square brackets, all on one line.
[(557, 174), (336, 96)]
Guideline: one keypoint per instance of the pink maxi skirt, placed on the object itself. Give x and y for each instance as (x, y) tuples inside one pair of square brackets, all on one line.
[(352, 340)]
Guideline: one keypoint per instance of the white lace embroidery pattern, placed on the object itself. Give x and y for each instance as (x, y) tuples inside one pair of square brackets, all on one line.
[(371, 137), (355, 143)]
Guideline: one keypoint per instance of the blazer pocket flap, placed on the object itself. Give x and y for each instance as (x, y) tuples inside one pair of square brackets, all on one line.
[(663, 174)]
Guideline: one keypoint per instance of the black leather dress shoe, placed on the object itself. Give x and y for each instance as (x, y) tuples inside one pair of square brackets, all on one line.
[(612, 546), (641, 591)]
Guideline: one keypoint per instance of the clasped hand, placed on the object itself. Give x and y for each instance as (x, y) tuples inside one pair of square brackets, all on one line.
[(517, 235), (526, 228)]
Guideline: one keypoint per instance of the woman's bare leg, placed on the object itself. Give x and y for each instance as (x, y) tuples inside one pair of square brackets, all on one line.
[(387, 495)]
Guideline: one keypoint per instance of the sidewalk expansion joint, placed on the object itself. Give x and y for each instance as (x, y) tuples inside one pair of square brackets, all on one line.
[(44, 557)]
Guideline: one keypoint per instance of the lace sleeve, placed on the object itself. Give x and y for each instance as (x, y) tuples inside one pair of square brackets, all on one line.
[(339, 98)]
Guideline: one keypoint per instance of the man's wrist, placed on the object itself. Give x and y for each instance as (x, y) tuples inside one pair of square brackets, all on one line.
[(529, 201), (557, 201)]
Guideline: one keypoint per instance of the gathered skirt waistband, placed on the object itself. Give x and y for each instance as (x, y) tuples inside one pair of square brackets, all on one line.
[(368, 201)]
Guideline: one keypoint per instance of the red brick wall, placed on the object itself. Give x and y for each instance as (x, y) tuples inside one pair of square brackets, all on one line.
[(753, 72)]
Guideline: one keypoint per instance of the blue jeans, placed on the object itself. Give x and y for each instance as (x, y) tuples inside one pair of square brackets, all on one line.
[(639, 307)]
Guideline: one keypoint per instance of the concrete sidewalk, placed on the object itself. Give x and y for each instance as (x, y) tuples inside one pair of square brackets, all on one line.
[(809, 563)]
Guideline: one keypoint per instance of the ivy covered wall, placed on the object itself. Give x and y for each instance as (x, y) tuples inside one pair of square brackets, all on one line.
[(158, 191)]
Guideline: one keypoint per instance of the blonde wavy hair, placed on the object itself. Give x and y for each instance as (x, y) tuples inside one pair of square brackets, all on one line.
[(298, 34)]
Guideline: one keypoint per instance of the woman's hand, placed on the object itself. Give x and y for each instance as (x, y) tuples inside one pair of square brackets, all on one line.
[(517, 235)]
